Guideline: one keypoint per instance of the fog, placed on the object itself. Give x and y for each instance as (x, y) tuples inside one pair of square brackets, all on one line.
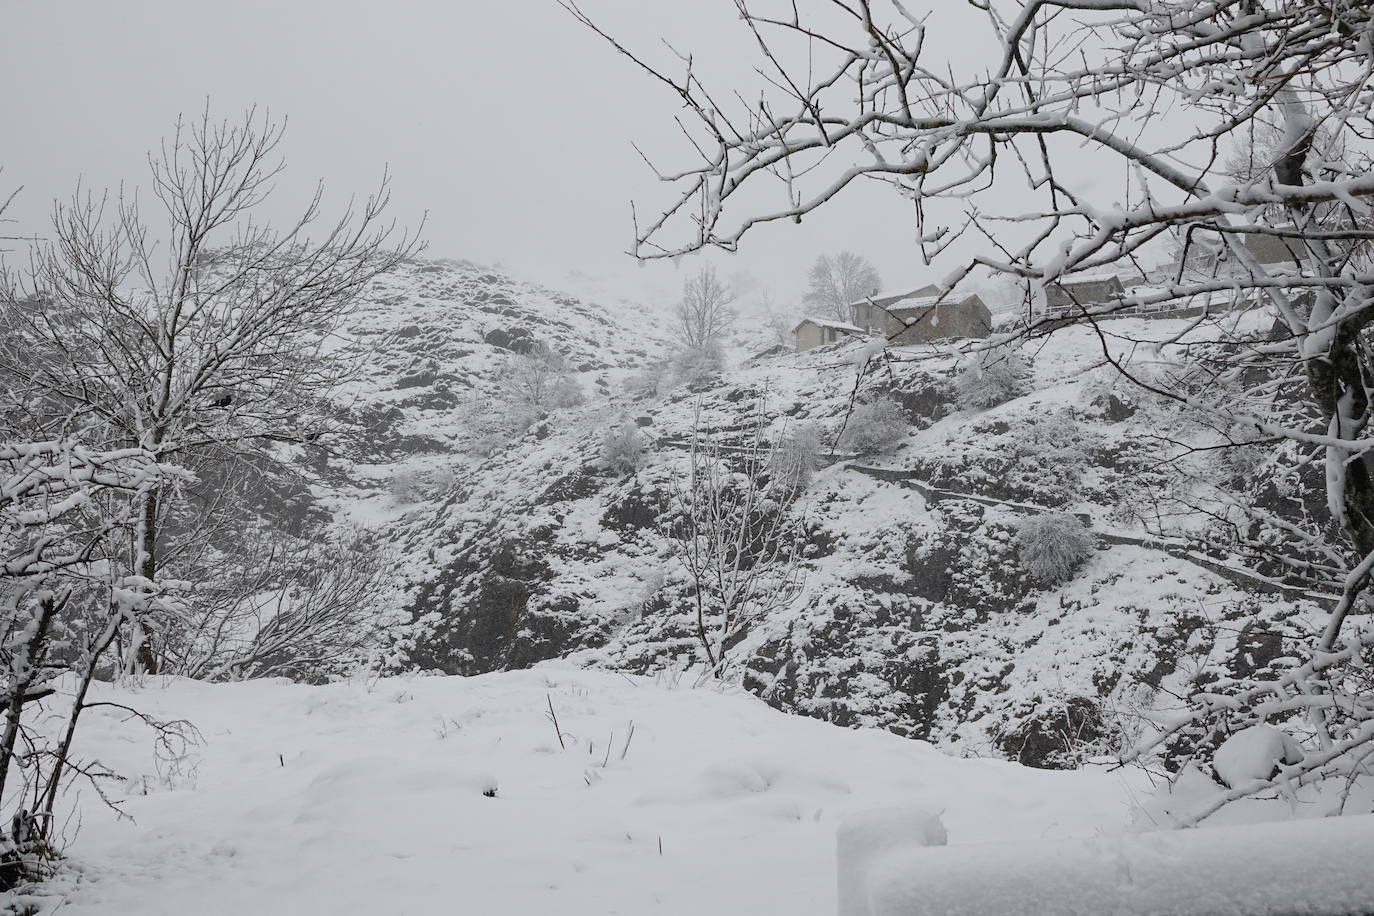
[(507, 126)]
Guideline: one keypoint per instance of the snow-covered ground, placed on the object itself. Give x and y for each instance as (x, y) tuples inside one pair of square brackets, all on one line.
[(453, 796)]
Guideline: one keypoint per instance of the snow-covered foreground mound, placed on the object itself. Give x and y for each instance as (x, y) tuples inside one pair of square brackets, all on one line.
[(453, 796)]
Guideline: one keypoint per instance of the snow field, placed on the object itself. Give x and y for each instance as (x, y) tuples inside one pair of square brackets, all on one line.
[(453, 796)]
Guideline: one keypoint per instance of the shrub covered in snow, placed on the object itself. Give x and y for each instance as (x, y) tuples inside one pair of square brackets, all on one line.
[(622, 448), (1052, 546), (411, 485), (540, 381), (697, 365), (797, 456), (875, 427), (992, 377)]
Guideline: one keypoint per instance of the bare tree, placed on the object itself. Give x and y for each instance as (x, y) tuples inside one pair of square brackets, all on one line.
[(62, 501), (838, 281), (732, 528), (201, 326), (778, 323), (306, 612), (874, 100), (704, 313)]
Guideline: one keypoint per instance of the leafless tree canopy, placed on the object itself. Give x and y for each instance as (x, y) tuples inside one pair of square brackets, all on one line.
[(704, 314), (732, 529), (188, 324), (838, 281)]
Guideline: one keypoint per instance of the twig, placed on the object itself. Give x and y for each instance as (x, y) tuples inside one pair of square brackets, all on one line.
[(553, 716)]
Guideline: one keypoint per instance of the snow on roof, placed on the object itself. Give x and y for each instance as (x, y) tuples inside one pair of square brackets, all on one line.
[(902, 293), (916, 302), (830, 323), (928, 302), (1076, 279)]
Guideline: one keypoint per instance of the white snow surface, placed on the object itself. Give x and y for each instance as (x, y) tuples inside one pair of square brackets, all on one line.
[(1313, 867), (367, 798), (1253, 753)]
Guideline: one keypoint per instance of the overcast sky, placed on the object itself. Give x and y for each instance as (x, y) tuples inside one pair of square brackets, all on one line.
[(505, 120)]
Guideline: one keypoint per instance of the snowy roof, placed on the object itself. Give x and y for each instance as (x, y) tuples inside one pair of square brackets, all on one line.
[(894, 295), (929, 302), (829, 323), (1076, 279)]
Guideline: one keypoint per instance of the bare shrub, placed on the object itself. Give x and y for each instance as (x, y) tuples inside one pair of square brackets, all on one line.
[(730, 527), (530, 387), (992, 377), (1052, 546), (412, 485), (305, 611), (540, 381), (650, 381)]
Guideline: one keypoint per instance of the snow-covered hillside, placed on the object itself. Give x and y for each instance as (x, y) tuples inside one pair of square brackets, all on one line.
[(431, 342), (459, 795), (915, 614)]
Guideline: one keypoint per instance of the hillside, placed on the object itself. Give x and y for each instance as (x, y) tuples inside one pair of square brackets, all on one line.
[(914, 614)]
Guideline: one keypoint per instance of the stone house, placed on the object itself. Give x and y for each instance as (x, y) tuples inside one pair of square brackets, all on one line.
[(1091, 292), (921, 315), (817, 332)]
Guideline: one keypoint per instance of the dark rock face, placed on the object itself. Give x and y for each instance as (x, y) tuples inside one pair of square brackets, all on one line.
[(576, 485), (924, 403), (865, 663), (634, 510), (516, 339), (1054, 739), (1258, 646), (489, 611)]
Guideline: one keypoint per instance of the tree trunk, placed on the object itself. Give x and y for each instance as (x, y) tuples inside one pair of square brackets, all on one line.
[(146, 659)]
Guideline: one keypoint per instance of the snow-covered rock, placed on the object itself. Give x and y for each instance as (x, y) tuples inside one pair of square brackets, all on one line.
[(1254, 753)]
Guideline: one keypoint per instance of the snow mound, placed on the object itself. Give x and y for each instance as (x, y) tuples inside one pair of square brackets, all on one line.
[(1253, 753), (1300, 867)]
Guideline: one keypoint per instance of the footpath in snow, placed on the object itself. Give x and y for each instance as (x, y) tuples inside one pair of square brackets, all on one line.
[(454, 796)]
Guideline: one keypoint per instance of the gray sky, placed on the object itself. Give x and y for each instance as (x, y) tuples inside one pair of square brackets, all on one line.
[(504, 119)]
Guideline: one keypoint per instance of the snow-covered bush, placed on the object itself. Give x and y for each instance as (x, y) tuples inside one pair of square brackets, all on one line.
[(992, 377), (874, 427), (410, 485), (1052, 546), (540, 381), (1051, 453), (650, 381), (622, 448), (529, 388), (797, 456), (694, 365)]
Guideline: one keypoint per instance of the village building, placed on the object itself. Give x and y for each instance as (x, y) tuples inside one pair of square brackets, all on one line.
[(1083, 293), (922, 315), (817, 332)]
